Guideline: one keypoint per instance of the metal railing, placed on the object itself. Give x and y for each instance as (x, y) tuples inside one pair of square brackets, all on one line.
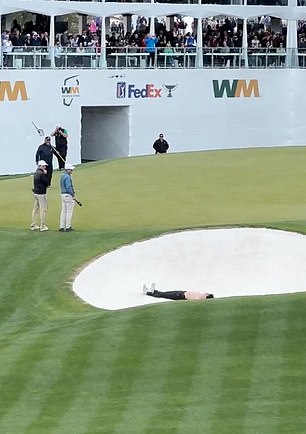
[(138, 58)]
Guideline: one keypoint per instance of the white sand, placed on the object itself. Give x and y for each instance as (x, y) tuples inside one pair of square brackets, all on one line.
[(226, 262)]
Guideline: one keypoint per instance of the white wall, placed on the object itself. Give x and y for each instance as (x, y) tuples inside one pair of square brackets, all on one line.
[(192, 119)]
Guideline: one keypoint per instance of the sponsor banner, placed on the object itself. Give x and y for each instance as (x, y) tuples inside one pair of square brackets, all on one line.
[(235, 88), (126, 90), (70, 89), (13, 91)]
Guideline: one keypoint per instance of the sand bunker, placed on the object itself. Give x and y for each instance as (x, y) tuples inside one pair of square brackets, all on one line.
[(227, 262)]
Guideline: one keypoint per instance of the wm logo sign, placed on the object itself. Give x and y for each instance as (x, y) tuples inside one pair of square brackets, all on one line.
[(13, 92), (236, 88), (70, 90)]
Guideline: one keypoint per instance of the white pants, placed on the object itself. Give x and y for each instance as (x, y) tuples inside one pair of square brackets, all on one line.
[(41, 205), (67, 211)]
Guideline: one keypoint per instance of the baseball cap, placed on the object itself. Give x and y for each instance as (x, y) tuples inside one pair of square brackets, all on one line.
[(57, 125), (42, 163), (48, 138), (69, 166)]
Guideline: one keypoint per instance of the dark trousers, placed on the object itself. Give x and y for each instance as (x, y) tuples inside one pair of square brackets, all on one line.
[(49, 173), (62, 151), (151, 58), (171, 295)]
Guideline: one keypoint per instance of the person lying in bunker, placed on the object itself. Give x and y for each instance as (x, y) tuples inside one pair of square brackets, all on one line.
[(176, 295)]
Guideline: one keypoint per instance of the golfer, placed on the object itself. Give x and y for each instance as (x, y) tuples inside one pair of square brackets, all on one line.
[(176, 295), (61, 145), (67, 199), (41, 183)]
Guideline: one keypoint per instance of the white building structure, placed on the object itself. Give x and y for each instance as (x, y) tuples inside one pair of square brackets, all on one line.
[(119, 112)]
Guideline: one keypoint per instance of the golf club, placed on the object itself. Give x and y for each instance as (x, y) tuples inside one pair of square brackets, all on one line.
[(40, 131), (78, 202)]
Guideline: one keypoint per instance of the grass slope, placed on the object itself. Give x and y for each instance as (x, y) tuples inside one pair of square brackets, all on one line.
[(175, 190), (226, 366)]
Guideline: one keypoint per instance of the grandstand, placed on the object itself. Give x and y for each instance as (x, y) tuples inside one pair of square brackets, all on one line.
[(206, 95)]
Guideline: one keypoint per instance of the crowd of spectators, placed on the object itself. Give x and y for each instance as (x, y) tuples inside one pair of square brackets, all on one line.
[(218, 35)]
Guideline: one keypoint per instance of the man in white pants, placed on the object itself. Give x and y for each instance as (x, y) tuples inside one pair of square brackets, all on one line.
[(41, 182), (68, 199)]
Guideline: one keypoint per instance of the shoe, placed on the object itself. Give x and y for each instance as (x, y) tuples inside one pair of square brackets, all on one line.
[(69, 229), (145, 290), (43, 229), (61, 230), (152, 289), (34, 227)]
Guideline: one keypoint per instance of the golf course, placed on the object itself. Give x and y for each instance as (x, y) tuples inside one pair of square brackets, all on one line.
[(228, 366)]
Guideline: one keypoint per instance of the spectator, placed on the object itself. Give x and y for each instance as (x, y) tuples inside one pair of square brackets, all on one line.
[(190, 43), (16, 39), (15, 26), (35, 40), (7, 48), (64, 41), (168, 50), (151, 41), (58, 55), (160, 145)]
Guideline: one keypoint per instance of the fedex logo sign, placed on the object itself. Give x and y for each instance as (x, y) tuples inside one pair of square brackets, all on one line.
[(125, 90)]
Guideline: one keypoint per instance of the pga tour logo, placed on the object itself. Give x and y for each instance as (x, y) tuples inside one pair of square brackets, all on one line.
[(125, 90)]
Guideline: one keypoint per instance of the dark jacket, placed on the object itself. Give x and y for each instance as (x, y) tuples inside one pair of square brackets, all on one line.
[(60, 141), (45, 152), (160, 147), (41, 182)]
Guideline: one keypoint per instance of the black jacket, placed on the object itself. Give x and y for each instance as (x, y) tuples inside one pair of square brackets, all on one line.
[(44, 152), (60, 141), (41, 182), (160, 147)]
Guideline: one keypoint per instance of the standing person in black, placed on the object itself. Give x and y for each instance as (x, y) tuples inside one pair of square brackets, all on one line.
[(41, 182), (45, 152), (61, 145), (160, 145)]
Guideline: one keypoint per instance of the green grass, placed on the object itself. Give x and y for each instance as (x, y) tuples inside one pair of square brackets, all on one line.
[(228, 366)]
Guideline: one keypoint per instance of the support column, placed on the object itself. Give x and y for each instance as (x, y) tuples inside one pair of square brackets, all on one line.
[(1, 55), (127, 23), (52, 41), (152, 23), (291, 44), (245, 43), (199, 58), (103, 63)]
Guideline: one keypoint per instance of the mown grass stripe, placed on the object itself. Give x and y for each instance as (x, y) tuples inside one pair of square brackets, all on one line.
[(126, 364), (173, 374), (214, 330), (262, 409), (143, 399), (292, 398), (85, 406), (24, 380), (73, 363), (233, 391)]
